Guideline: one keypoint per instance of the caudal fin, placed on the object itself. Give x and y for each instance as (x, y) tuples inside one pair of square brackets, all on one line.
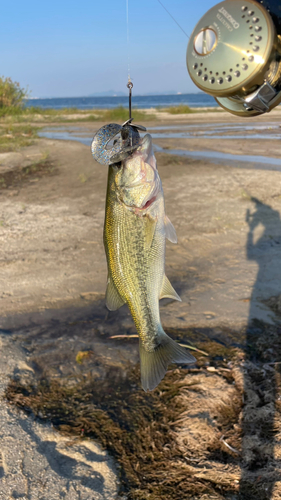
[(154, 364)]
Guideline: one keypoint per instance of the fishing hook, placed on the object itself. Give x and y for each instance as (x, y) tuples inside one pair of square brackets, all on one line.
[(130, 86)]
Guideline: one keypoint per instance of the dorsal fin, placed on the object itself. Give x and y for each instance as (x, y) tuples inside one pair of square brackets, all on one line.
[(171, 234), (112, 298), (167, 291)]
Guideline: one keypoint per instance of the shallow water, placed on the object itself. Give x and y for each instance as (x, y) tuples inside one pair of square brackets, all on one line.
[(258, 162), (227, 126), (85, 139), (66, 136), (239, 161), (214, 135), (218, 132)]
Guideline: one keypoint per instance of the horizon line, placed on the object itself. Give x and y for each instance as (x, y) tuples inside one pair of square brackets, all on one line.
[(98, 96)]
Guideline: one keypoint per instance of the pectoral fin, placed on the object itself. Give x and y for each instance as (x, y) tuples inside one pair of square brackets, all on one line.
[(171, 234), (150, 225), (112, 297), (167, 291)]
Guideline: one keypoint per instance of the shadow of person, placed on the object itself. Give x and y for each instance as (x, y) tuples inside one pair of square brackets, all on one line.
[(259, 467)]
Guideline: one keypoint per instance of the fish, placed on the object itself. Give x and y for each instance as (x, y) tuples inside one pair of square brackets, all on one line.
[(135, 230)]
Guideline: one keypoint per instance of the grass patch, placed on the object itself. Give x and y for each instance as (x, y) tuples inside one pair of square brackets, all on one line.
[(122, 114), (38, 114), (90, 118), (62, 113), (36, 110), (33, 110), (14, 137), (178, 110), (183, 109)]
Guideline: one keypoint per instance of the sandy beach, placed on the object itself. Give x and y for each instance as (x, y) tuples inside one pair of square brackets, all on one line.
[(221, 181)]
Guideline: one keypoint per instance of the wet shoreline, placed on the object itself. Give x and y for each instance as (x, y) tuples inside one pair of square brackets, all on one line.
[(202, 131)]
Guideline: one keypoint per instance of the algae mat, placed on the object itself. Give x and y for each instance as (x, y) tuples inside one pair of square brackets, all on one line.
[(210, 432)]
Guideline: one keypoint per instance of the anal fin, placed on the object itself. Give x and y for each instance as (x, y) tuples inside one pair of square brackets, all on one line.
[(167, 291), (113, 300)]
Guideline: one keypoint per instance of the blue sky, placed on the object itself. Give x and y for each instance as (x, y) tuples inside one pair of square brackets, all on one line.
[(65, 49)]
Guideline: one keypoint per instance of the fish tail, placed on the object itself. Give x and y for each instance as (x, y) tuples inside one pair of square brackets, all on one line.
[(154, 364)]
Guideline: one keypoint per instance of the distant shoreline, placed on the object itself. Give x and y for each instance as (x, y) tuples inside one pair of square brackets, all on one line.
[(140, 102), (116, 96)]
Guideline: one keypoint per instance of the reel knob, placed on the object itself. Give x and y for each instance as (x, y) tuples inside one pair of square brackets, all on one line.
[(205, 41)]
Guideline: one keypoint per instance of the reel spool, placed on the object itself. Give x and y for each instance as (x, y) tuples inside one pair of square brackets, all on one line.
[(234, 54)]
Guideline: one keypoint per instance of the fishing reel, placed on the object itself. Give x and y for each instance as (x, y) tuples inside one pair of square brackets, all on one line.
[(234, 54), (113, 143)]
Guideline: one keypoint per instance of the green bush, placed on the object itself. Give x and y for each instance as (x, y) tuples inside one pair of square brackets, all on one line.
[(11, 96)]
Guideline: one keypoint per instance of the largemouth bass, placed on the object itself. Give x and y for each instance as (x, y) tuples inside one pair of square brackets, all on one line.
[(134, 238)]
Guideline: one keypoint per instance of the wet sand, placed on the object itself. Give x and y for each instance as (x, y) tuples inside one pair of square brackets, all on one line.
[(226, 268)]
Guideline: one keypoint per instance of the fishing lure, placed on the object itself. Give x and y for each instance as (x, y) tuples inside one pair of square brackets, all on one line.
[(113, 143)]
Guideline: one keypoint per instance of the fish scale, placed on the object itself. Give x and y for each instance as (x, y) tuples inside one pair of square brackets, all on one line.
[(134, 237)]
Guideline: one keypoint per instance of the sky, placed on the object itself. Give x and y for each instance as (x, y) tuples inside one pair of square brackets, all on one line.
[(73, 49)]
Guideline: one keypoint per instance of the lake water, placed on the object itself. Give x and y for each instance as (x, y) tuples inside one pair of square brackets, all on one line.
[(199, 100)]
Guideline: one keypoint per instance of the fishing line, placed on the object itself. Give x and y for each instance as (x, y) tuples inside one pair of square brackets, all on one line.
[(128, 39), (173, 19), (129, 84)]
